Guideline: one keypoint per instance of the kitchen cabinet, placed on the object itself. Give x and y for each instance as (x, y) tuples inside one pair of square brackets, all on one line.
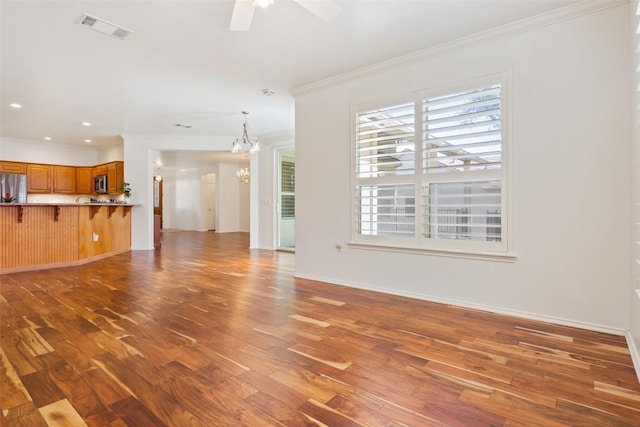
[(61, 179), (115, 176), (64, 179), (99, 170), (13, 167), (84, 180), (38, 178)]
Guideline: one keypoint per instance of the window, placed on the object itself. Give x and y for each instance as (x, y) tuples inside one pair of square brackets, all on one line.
[(429, 170), (288, 188)]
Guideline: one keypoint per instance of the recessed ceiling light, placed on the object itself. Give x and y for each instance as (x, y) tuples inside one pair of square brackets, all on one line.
[(86, 124), (103, 26), (88, 141), (47, 138), (15, 105)]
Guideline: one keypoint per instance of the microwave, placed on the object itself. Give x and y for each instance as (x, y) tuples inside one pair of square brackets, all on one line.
[(100, 184)]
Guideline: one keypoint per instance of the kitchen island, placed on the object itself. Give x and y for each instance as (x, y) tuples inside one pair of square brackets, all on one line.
[(36, 236)]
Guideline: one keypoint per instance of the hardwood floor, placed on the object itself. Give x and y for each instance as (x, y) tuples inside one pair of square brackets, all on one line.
[(204, 332)]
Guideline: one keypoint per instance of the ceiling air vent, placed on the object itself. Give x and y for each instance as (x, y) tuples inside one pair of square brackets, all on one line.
[(103, 26)]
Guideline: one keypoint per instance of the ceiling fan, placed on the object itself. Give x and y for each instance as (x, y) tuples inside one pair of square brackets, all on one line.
[(243, 11)]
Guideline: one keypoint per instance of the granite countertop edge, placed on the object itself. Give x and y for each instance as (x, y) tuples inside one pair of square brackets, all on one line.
[(72, 204)]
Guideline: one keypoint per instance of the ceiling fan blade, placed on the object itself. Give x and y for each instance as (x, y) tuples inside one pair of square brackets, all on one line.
[(326, 10), (242, 15)]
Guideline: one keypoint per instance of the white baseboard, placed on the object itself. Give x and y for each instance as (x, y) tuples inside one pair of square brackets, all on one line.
[(635, 353), (72, 263), (465, 304)]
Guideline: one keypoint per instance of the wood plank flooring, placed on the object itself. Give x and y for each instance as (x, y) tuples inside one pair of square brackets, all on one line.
[(205, 332)]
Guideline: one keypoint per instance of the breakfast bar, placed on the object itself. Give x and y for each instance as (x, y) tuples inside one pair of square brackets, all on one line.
[(49, 235)]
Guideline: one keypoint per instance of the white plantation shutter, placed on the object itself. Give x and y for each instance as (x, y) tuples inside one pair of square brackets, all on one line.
[(386, 210), (463, 131), (287, 189), (385, 142), (429, 172), (462, 197), (463, 210), (385, 168)]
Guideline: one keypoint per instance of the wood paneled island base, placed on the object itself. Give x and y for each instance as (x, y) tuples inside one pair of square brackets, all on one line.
[(37, 236)]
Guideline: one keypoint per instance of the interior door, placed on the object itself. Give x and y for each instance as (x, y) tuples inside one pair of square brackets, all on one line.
[(157, 199), (210, 215)]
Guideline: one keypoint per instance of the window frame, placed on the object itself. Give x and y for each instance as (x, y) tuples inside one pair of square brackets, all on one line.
[(502, 250)]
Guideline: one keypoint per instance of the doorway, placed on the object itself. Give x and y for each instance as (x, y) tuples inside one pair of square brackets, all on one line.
[(157, 197), (286, 206), (157, 211)]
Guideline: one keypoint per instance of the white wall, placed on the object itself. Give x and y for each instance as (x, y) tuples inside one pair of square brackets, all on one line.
[(633, 337), (243, 205), (266, 200), (570, 125), (111, 153), (168, 199), (232, 200), (48, 153), (185, 195), (228, 196)]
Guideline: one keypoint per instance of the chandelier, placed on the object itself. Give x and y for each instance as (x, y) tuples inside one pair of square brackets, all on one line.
[(157, 177), (243, 175), (240, 143)]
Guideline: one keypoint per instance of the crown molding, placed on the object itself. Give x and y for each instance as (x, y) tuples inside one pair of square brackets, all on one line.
[(576, 10)]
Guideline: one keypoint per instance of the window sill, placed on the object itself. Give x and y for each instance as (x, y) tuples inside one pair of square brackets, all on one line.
[(479, 255)]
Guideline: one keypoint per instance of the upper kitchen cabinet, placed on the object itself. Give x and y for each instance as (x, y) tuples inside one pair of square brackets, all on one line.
[(61, 179), (64, 179), (13, 167), (38, 178), (115, 176), (84, 180), (99, 170)]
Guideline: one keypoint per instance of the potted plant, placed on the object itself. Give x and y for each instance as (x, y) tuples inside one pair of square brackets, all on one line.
[(7, 198), (125, 188)]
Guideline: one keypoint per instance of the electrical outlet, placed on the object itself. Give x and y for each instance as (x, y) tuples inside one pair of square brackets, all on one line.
[(95, 237), (338, 247)]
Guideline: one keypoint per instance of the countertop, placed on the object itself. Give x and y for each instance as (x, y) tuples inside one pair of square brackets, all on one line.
[(62, 204)]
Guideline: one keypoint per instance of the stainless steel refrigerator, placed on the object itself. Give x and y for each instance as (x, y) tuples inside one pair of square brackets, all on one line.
[(13, 187)]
